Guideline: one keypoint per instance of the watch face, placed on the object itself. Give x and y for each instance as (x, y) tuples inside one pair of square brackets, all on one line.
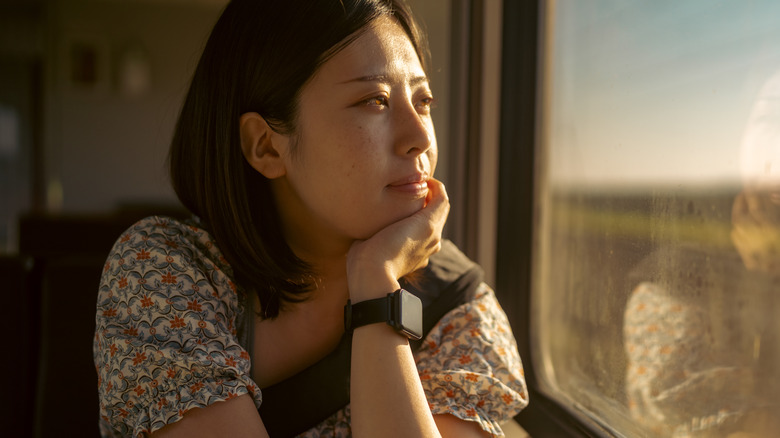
[(409, 314)]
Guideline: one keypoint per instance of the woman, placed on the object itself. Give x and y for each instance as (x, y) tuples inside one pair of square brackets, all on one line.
[(305, 149)]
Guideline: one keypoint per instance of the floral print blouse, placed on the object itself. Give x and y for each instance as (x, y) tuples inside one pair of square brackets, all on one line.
[(167, 341)]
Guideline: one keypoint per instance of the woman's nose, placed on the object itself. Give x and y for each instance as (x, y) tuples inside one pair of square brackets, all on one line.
[(414, 131)]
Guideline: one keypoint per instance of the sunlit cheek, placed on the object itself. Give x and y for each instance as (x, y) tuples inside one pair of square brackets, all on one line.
[(433, 150), (433, 157), (362, 138)]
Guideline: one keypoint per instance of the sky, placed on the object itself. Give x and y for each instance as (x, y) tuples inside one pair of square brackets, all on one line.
[(647, 92)]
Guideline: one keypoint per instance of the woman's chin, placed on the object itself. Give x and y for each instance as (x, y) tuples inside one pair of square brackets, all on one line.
[(396, 215)]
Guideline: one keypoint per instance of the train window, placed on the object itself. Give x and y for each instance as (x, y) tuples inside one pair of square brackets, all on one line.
[(655, 283)]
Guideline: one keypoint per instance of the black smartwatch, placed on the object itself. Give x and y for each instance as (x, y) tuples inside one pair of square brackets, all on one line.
[(401, 309)]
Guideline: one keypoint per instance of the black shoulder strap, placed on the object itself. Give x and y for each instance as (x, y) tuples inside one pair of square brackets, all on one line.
[(301, 402)]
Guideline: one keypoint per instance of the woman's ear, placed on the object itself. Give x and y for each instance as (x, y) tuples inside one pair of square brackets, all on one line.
[(262, 146)]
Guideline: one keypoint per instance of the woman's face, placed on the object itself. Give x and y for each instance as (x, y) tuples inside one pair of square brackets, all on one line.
[(364, 143)]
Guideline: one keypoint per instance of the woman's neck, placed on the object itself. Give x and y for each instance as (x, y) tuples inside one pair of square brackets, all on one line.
[(317, 243)]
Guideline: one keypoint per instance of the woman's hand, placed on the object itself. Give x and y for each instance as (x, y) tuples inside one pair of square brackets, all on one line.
[(375, 265)]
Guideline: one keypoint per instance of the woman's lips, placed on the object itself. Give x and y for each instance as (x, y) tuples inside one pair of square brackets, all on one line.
[(418, 190), (415, 185)]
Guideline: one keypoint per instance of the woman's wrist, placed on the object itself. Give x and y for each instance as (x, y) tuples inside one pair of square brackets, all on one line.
[(366, 286)]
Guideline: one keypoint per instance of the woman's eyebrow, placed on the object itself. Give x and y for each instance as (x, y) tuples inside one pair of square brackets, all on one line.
[(417, 80)]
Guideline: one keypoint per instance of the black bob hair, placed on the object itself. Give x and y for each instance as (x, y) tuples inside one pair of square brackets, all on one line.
[(258, 57)]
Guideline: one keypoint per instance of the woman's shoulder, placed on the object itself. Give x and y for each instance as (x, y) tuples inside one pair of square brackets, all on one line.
[(165, 237), (166, 256), (168, 233)]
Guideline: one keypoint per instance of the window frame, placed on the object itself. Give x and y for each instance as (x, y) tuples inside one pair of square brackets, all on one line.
[(521, 58)]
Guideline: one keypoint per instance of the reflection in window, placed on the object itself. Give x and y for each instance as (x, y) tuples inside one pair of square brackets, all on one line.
[(657, 283)]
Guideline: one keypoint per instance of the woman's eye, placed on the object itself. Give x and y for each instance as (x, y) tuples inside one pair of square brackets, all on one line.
[(425, 104), (376, 101)]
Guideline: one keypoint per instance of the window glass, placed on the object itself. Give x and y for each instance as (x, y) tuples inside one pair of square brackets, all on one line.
[(657, 243)]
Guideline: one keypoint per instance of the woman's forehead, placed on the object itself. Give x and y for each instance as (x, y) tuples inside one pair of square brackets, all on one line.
[(382, 50)]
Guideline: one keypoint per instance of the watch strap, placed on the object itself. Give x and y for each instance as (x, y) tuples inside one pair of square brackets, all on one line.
[(368, 312)]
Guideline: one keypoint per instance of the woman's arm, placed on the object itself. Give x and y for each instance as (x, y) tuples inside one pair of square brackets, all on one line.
[(146, 311), (452, 426), (237, 417), (387, 397)]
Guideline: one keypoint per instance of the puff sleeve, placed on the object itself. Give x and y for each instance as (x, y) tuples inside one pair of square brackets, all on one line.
[(165, 339), (469, 365)]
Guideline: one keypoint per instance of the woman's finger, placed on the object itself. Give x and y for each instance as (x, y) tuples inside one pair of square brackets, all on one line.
[(438, 202)]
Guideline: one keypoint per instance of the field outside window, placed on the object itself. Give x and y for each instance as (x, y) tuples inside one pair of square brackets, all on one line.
[(656, 285)]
